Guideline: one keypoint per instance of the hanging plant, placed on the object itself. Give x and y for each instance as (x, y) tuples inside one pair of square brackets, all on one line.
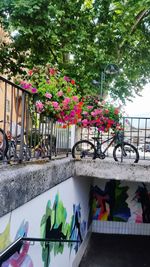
[(100, 114), (55, 96)]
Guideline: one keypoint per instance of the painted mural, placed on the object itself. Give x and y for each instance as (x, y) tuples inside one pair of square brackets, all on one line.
[(21, 257), (5, 236), (110, 204), (53, 215), (142, 195), (119, 201), (54, 225)]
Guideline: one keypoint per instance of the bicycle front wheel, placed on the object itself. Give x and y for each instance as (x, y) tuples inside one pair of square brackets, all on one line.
[(84, 149), (126, 152), (3, 144)]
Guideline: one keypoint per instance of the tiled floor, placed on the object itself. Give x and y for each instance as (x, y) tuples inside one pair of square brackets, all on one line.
[(117, 251)]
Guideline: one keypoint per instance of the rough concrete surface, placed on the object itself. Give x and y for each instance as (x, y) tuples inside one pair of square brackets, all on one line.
[(117, 251), (109, 169), (21, 183)]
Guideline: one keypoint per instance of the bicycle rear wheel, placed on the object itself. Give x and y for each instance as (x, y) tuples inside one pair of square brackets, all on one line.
[(84, 149), (3, 144), (126, 152)]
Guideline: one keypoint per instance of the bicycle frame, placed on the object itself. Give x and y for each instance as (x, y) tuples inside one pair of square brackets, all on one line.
[(99, 145)]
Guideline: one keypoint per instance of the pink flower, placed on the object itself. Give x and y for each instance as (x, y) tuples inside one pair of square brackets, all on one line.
[(62, 113), (22, 82), (66, 101), (85, 113), (72, 113), (66, 78), (98, 112), (48, 95), (30, 72), (66, 118), (39, 106), (75, 98), (106, 111), (60, 93), (102, 128), (89, 107), (52, 71), (57, 108), (116, 111), (93, 114), (34, 90), (55, 104), (85, 122), (26, 85)]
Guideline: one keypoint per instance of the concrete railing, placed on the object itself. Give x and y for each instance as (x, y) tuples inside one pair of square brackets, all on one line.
[(20, 184)]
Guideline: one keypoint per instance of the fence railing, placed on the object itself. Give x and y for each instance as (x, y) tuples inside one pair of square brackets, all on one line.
[(136, 132), (25, 134)]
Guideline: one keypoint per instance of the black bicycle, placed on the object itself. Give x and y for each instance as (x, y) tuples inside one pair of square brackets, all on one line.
[(3, 144), (8, 146), (122, 150), (35, 144)]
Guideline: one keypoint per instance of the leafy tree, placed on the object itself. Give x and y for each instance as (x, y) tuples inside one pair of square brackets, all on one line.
[(95, 32)]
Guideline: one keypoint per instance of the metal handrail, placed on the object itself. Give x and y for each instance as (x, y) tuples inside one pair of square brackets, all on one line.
[(10, 250), (15, 85), (13, 247), (33, 239)]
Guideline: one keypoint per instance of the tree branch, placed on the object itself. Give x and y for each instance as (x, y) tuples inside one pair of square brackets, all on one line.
[(140, 16)]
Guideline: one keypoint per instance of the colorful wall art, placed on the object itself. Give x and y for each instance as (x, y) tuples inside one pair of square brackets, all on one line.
[(120, 201), (60, 213), (21, 257), (142, 196), (54, 225)]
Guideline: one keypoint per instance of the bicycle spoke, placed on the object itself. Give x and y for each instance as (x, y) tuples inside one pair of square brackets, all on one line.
[(83, 150), (126, 152)]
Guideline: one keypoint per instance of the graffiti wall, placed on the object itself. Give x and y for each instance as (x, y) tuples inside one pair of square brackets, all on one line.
[(120, 201), (60, 213)]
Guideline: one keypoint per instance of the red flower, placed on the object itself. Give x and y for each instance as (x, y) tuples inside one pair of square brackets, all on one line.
[(72, 82), (106, 111), (116, 111), (52, 71), (30, 72)]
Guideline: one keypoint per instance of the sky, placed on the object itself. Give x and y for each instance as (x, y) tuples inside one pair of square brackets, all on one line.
[(140, 105)]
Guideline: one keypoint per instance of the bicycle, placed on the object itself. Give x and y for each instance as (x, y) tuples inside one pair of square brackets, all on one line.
[(42, 146), (122, 150), (38, 145), (9, 144), (3, 144)]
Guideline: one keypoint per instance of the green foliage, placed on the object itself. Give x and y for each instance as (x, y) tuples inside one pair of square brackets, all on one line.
[(96, 33)]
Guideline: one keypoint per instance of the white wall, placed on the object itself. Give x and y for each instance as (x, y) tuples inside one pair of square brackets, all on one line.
[(28, 217)]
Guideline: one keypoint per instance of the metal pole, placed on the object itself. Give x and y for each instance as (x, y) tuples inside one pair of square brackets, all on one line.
[(101, 83), (68, 131), (22, 126)]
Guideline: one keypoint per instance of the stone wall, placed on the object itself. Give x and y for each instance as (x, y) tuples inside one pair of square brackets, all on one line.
[(21, 183)]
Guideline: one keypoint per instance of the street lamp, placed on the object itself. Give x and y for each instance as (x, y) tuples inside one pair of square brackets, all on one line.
[(110, 69)]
